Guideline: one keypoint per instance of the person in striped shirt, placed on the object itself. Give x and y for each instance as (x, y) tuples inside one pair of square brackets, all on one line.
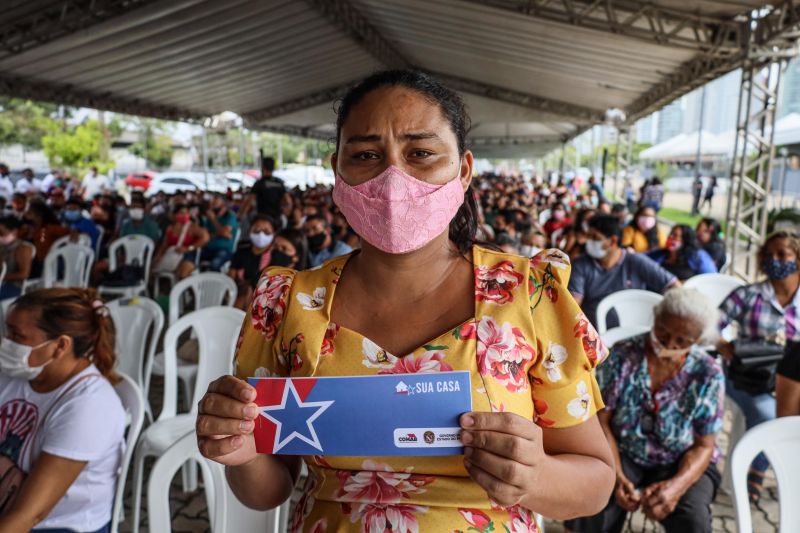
[(767, 310)]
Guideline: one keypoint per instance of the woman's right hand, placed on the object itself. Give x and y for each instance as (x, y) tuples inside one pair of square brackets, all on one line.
[(225, 421)]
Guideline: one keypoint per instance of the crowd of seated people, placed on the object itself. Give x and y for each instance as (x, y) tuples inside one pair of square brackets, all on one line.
[(666, 460)]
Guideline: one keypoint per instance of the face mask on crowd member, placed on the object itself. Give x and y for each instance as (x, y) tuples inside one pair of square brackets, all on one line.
[(778, 256), (646, 222), (604, 236), (399, 203), (72, 212), (262, 232), (680, 320), (284, 253), (317, 232)]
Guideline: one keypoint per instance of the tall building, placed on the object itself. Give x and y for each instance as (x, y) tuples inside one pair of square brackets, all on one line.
[(670, 121), (790, 90), (647, 129), (721, 102)]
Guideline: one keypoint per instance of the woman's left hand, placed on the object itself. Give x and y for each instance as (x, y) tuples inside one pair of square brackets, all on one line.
[(502, 453), (660, 499)]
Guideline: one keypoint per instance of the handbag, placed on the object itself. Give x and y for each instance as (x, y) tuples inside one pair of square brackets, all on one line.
[(124, 276), (171, 258), (752, 368), (11, 475)]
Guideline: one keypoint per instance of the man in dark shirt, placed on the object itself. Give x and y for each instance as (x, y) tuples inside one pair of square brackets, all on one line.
[(268, 191), (606, 268)]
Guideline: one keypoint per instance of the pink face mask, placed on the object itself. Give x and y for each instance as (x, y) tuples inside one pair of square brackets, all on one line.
[(398, 213)]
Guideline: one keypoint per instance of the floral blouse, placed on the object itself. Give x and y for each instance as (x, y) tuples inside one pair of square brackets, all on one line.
[(530, 351), (656, 429)]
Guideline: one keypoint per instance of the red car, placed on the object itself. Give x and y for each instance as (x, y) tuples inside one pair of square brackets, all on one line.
[(139, 180)]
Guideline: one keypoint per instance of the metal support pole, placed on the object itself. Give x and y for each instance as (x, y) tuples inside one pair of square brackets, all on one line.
[(241, 148), (698, 159), (561, 160), (205, 157)]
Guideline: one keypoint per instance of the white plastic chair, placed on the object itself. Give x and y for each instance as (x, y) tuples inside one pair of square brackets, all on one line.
[(226, 512), (139, 322), (620, 333), (208, 289), (67, 239), (217, 330), (715, 287), (138, 250), (779, 439), (183, 450), (99, 242), (68, 266), (132, 400), (634, 307)]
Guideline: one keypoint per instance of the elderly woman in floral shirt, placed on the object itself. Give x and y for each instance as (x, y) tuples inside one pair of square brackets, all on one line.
[(664, 406)]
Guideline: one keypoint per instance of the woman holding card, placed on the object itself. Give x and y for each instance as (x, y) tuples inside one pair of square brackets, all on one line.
[(422, 296)]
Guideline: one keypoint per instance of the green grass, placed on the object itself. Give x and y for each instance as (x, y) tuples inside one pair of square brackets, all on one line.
[(679, 216)]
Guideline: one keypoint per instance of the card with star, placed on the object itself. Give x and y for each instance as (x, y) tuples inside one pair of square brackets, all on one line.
[(382, 415)]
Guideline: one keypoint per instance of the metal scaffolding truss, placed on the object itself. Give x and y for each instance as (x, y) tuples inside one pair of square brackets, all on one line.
[(754, 151), (27, 25), (773, 34), (641, 20), (65, 94), (344, 15)]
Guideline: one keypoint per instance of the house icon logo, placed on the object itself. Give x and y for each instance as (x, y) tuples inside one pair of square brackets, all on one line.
[(401, 388)]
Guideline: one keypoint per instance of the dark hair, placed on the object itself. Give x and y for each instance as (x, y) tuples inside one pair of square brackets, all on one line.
[(689, 244), (714, 226), (75, 313), (300, 243), (580, 218), (312, 218), (261, 217), (177, 207), (11, 223), (794, 244), (268, 163), (464, 226), (43, 211), (608, 225), (652, 234), (74, 201)]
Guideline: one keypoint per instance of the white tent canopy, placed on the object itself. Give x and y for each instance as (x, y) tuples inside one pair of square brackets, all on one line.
[(683, 147), (787, 130)]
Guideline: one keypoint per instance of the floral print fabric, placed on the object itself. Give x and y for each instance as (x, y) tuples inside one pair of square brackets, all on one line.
[(691, 403), (529, 350)]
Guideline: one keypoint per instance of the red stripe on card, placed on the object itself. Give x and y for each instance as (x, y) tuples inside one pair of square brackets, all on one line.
[(303, 386)]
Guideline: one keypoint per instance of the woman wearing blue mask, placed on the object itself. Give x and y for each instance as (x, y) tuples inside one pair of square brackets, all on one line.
[(767, 311), (62, 423)]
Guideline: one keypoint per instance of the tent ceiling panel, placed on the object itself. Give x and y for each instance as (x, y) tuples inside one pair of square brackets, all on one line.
[(530, 71)]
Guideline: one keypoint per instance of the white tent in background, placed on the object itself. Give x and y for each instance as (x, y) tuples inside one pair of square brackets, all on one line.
[(683, 147), (787, 130)]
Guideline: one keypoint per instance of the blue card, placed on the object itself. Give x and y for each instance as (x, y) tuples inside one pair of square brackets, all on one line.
[(383, 415)]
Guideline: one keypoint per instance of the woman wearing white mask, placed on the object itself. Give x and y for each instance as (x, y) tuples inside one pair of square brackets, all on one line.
[(664, 406), (62, 423), (421, 296), (266, 248)]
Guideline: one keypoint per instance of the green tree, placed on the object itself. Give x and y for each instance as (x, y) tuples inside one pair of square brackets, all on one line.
[(155, 144), (76, 149), (26, 122)]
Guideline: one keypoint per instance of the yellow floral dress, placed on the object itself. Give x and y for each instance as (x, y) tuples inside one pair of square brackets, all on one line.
[(529, 349)]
